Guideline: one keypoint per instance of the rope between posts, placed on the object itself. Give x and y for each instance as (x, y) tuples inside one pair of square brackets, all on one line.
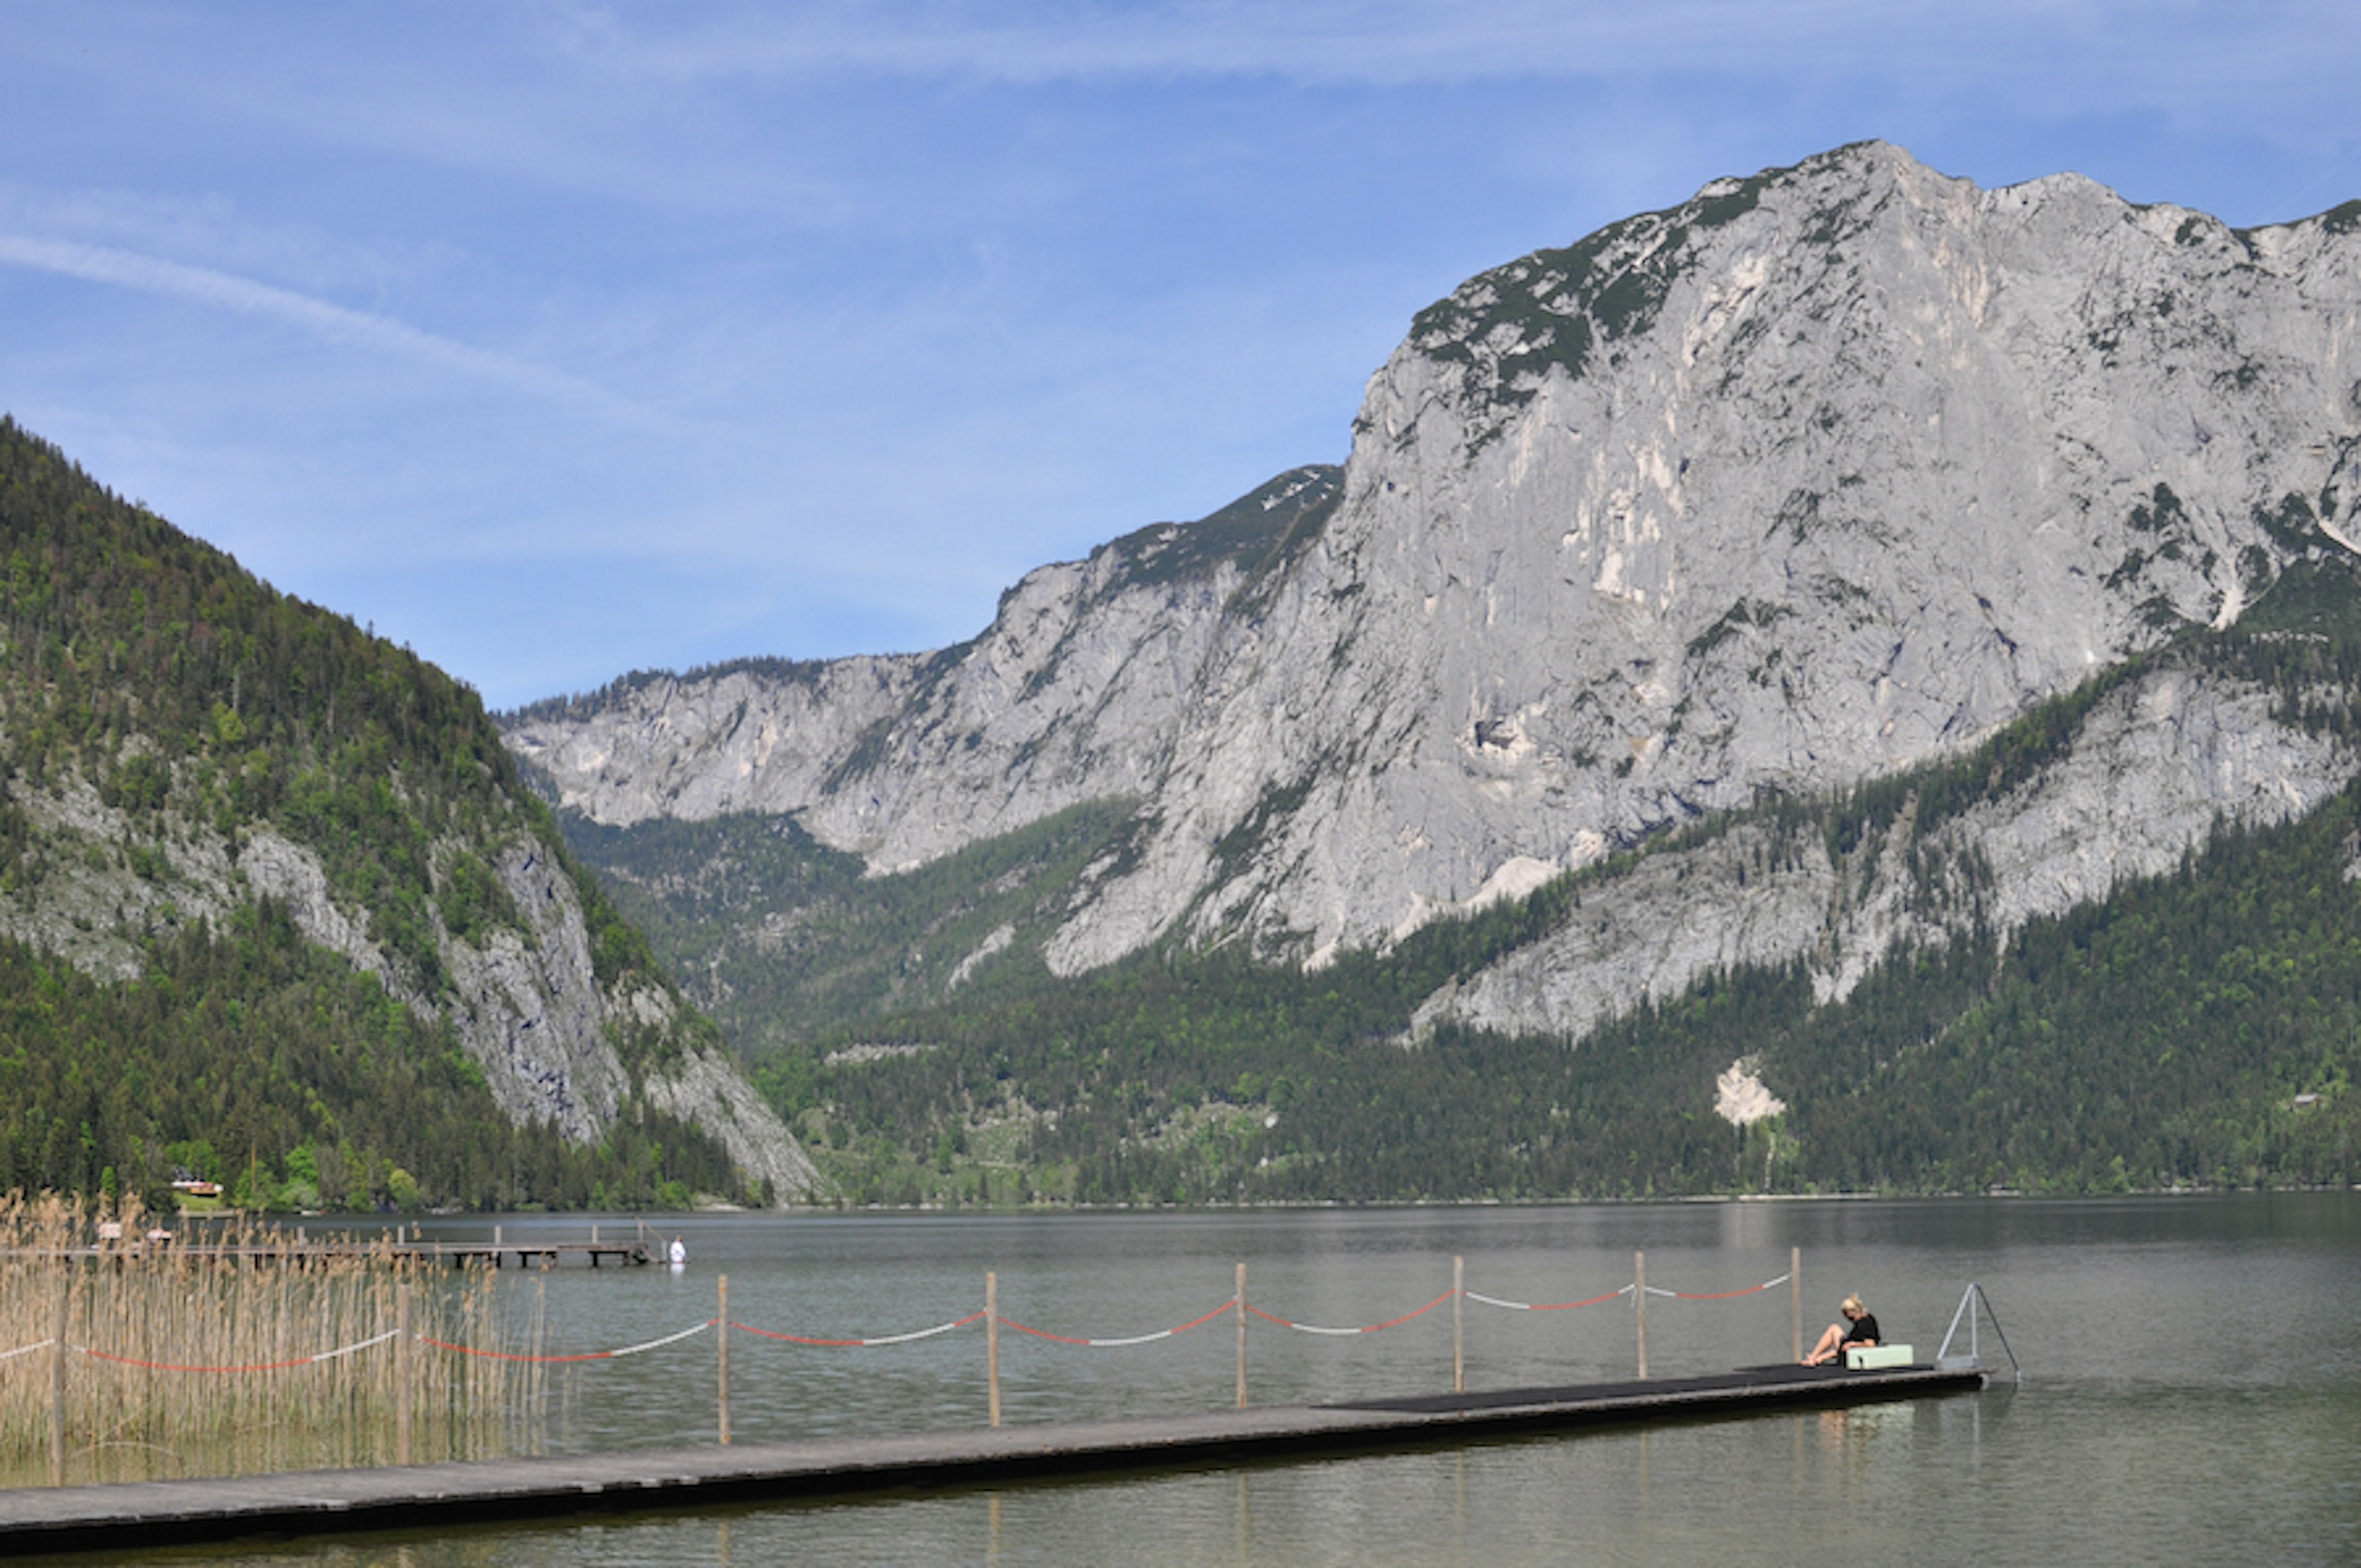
[(883, 1340), (357, 1345), (1716, 1295), (1367, 1329), (1548, 1306), (660, 1344), (865, 1343), (1008, 1322), (560, 1360), (257, 1366)]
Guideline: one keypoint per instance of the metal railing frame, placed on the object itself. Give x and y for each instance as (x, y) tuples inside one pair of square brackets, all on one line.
[(1968, 1299)]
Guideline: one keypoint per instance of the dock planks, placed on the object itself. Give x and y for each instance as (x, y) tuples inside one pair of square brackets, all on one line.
[(159, 1513), (299, 1253)]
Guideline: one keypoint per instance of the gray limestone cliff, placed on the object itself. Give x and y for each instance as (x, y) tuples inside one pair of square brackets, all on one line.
[(524, 998), (2152, 769), (1822, 475)]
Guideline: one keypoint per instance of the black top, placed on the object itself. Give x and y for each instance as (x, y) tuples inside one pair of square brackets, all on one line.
[(1863, 1331)]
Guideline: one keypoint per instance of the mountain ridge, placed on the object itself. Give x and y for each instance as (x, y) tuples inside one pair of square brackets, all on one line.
[(1756, 574), (1794, 598)]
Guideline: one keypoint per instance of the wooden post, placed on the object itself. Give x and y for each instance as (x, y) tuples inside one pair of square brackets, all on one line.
[(1640, 1300), (991, 1343), (58, 1383), (1458, 1327), (537, 1400), (1242, 1336), (402, 1374), (723, 1324), (1795, 1297)]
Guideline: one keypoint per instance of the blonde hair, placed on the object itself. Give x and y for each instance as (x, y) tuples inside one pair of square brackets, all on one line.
[(1852, 1304)]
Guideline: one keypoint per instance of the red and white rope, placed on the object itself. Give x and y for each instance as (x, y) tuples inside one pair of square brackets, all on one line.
[(879, 1340), (1715, 1295), (1365, 1329), (255, 1367), (561, 1360), (1548, 1306), (356, 1345), (975, 1317), (660, 1344), (1008, 1322)]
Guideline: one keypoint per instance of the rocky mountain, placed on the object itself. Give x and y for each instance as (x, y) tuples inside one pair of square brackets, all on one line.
[(181, 746), (1826, 475)]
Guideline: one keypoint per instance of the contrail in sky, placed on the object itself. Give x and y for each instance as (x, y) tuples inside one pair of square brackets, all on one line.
[(329, 322)]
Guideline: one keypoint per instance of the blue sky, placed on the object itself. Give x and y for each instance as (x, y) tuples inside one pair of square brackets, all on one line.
[(560, 340)]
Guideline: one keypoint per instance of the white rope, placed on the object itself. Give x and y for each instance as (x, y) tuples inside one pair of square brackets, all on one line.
[(1136, 1339), (1314, 1329), (920, 1333), (658, 1344), (349, 1349), (25, 1350), (1719, 1295), (1528, 1305)]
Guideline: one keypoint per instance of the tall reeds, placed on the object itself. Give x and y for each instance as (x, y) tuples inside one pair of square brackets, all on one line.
[(192, 1356)]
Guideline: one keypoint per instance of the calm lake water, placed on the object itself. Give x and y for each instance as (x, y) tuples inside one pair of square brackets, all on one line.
[(2191, 1383)]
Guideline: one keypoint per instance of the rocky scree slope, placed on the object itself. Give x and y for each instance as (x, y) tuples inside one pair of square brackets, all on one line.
[(179, 741), (1823, 474)]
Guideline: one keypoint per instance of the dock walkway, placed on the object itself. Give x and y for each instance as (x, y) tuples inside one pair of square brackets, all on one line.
[(157, 1513), (299, 1252)]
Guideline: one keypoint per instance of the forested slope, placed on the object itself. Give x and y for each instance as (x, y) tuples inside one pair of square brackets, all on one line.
[(273, 885), (249, 1057)]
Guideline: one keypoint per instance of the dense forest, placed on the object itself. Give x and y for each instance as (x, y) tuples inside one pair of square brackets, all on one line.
[(2165, 1037), (2198, 1029), (249, 1058), (196, 703)]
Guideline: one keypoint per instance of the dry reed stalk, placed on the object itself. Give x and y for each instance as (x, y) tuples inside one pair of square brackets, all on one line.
[(238, 1297)]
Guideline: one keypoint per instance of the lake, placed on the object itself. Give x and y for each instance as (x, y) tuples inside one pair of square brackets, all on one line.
[(2191, 1383)]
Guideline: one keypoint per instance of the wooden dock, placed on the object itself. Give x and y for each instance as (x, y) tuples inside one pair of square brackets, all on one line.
[(431, 1497), (299, 1252), (544, 1254)]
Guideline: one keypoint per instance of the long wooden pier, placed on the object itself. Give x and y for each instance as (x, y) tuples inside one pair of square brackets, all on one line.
[(301, 1252), (429, 1497), (547, 1254)]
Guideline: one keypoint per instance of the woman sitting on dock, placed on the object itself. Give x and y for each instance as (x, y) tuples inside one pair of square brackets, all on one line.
[(1858, 1329)]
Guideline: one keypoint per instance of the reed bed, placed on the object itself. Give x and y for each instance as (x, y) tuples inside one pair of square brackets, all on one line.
[(142, 1320)]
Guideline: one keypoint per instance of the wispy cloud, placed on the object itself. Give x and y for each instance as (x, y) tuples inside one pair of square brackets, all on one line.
[(918, 294), (209, 228), (1381, 42), (331, 323), (2116, 45)]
